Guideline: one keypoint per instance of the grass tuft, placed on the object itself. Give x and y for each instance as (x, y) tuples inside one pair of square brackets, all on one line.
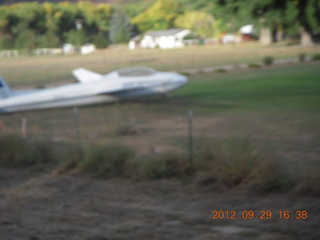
[(268, 60)]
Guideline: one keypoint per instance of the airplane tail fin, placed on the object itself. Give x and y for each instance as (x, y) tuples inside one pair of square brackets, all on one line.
[(5, 90), (85, 76)]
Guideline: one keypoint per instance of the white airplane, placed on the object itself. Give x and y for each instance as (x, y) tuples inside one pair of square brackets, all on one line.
[(93, 88)]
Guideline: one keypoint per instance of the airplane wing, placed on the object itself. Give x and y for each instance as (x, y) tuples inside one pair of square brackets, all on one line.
[(85, 76), (24, 92)]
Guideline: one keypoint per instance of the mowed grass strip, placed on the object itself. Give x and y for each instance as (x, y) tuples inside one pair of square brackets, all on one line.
[(292, 88), (32, 71)]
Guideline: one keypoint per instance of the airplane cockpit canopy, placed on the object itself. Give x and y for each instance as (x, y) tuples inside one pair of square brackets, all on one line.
[(135, 71)]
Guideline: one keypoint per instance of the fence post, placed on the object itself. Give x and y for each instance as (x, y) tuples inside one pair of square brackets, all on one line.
[(23, 127), (76, 120), (190, 115)]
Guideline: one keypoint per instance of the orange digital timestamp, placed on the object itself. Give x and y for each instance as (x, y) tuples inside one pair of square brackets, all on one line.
[(263, 214)]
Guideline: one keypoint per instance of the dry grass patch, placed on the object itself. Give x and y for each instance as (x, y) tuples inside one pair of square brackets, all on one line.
[(18, 152), (237, 163)]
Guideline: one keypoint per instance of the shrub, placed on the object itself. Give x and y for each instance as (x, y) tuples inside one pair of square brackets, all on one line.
[(106, 161), (100, 41), (76, 37), (268, 60), (220, 70), (316, 57), (254, 65)]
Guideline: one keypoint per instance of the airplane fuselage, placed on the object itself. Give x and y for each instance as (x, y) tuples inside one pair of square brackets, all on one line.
[(109, 88)]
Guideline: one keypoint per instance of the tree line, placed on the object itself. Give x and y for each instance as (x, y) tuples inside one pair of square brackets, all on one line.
[(32, 25), (48, 25)]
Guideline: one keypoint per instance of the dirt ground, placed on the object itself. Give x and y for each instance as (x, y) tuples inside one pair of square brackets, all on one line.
[(44, 206), (40, 205)]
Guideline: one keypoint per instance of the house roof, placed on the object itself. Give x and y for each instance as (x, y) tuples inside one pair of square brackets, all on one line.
[(169, 32), (160, 33), (136, 38)]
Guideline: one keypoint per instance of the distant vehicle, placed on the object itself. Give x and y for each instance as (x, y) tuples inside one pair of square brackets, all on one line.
[(93, 88)]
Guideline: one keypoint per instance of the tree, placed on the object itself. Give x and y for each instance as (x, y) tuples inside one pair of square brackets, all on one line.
[(3, 20), (120, 27), (159, 16), (199, 22), (76, 37), (6, 42), (236, 13), (27, 39), (308, 12), (192, 5), (302, 14), (52, 23), (102, 15), (274, 16), (133, 9), (48, 40), (100, 41)]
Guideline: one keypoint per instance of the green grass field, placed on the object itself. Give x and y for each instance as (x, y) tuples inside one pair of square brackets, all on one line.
[(286, 89)]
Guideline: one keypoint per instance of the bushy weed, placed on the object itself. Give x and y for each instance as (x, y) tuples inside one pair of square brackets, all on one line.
[(18, 152)]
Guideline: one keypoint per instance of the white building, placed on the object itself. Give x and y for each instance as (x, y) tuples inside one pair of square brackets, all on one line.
[(171, 38), (87, 48), (247, 29), (245, 34)]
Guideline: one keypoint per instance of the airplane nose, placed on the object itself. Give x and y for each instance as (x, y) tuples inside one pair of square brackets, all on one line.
[(182, 79)]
